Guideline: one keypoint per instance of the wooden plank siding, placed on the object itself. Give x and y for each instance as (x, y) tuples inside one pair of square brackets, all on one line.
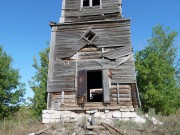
[(87, 39), (62, 73), (69, 40), (73, 12), (70, 102)]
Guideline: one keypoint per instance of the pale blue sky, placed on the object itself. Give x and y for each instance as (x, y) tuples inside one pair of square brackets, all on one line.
[(24, 26)]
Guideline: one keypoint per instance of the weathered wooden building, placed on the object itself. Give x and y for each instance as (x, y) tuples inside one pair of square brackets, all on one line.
[(91, 59)]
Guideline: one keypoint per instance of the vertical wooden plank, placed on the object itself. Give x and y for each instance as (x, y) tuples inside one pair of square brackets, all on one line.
[(51, 57), (62, 18), (49, 101), (76, 73), (62, 97), (90, 3), (81, 5), (82, 85), (118, 93), (106, 93), (100, 4), (138, 96), (134, 96)]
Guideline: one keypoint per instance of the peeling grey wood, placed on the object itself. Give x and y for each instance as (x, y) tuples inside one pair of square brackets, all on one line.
[(74, 10), (106, 92), (112, 45)]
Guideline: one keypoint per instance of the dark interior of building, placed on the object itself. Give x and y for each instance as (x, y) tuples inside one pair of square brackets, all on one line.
[(94, 86)]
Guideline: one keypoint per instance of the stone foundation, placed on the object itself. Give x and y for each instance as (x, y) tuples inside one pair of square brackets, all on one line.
[(51, 116)]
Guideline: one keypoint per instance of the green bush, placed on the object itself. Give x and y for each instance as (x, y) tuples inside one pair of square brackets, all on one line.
[(157, 73)]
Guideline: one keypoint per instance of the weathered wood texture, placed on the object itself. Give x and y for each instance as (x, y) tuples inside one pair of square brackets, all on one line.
[(63, 76), (58, 99), (121, 94), (134, 96), (75, 12), (91, 38), (109, 34), (106, 94), (68, 100), (113, 37)]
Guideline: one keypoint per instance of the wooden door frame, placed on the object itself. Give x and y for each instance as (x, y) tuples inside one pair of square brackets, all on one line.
[(82, 88)]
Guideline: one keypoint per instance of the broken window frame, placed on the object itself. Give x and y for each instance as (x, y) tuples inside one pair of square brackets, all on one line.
[(86, 37)]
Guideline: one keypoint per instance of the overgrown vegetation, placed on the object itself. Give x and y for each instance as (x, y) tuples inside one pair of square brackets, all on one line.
[(39, 82), (11, 89), (23, 122), (170, 125), (157, 73)]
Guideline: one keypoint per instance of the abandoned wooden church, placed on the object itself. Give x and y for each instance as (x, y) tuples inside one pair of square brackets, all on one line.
[(91, 63)]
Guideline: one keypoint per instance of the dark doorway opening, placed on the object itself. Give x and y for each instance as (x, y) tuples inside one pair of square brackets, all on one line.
[(94, 86)]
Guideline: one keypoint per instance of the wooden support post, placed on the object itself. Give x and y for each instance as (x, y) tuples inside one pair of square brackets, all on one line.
[(118, 93), (106, 93), (139, 100), (49, 101), (102, 51), (76, 72), (81, 5), (62, 96), (100, 4), (62, 18), (134, 95), (93, 122)]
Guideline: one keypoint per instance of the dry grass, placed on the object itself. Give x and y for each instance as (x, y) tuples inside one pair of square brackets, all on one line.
[(21, 124), (170, 126), (13, 127)]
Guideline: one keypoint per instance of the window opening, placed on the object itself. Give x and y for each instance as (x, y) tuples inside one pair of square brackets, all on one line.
[(95, 2), (89, 35), (94, 86), (86, 3)]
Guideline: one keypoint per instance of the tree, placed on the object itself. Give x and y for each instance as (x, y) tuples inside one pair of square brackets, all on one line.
[(39, 82), (178, 72), (156, 72), (11, 89)]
